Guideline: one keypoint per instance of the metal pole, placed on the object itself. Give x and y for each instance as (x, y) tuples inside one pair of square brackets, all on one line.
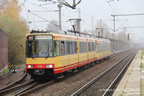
[(73, 3), (60, 5), (125, 33), (102, 32), (92, 24), (98, 34), (114, 22), (79, 13)]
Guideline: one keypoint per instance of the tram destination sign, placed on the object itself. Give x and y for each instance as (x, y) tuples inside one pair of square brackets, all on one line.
[(43, 37)]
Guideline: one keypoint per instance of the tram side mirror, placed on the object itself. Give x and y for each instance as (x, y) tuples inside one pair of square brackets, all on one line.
[(62, 42)]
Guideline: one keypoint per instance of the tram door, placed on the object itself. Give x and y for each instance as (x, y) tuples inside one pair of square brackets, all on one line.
[(73, 57), (64, 55)]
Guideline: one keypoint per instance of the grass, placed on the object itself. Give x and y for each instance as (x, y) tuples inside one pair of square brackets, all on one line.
[(141, 87), (142, 54), (141, 65), (6, 70)]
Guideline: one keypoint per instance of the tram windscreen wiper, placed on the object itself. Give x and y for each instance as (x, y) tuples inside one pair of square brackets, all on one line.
[(48, 54), (32, 56)]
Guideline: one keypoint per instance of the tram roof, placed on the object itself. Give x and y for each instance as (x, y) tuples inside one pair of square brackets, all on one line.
[(69, 33)]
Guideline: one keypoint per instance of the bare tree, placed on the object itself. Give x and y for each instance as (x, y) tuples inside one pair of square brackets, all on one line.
[(52, 25), (3, 5)]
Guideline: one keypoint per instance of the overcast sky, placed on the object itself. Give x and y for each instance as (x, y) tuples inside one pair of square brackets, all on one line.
[(99, 9)]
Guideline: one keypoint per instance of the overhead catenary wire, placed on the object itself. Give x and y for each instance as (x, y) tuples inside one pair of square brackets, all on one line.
[(26, 11), (45, 9), (70, 11), (125, 6), (122, 8), (55, 13), (46, 20), (113, 11), (121, 25), (107, 25)]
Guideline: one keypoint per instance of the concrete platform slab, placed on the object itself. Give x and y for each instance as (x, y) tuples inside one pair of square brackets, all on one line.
[(130, 85)]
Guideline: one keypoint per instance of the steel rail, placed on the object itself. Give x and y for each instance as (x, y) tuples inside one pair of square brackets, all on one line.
[(12, 84), (14, 88), (96, 78), (26, 89), (117, 77), (26, 92), (115, 54)]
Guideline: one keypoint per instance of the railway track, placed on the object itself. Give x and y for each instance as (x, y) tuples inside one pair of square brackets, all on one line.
[(89, 84), (27, 88), (39, 87), (10, 90), (121, 73), (115, 54), (14, 83)]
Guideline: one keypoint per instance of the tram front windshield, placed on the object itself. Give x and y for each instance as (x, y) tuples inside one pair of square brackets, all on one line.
[(39, 48)]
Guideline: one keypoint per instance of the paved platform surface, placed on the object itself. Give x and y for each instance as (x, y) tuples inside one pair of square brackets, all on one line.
[(132, 83)]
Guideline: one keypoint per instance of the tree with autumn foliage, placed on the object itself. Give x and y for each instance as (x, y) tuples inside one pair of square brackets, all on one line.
[(16, 27)]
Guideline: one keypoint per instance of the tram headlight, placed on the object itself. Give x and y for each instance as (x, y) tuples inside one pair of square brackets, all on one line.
[(49, 66), (29, 66)]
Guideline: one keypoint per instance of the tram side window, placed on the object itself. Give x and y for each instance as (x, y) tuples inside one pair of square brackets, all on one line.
[(57, 48), (89, 46), (93, 46), (100, 47), (109, 46), (97, 47), (71, 47), (80, 47), (105, 46), (68, 47), (85, 46), (65, 47), (62, 48), (75, 47)]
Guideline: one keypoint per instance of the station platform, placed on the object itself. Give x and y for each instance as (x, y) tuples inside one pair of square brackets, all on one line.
[(132, 83)]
